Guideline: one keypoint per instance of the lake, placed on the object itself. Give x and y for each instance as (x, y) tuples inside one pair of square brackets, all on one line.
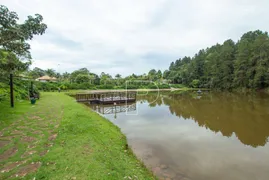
[(186, 136)]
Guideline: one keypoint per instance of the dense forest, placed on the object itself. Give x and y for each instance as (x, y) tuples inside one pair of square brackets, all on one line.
[(244, 64)]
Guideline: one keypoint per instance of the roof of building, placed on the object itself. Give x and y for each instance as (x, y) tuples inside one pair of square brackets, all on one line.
[(46, 78)]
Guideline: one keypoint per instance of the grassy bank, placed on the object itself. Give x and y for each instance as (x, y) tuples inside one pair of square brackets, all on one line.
[(61, 139)]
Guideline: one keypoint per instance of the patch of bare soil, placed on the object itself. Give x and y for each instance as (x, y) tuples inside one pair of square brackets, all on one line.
[(11, 166), (29, 168), (3, 143), (35, 118), (87, 149), (17, 132), (43, 153), (28, 153), (8, 138), (22, 127), (52, 124), (37, 132), (43, 125), (48, 145), (53, 137), (8, 153), (31, 146), (28, 139)]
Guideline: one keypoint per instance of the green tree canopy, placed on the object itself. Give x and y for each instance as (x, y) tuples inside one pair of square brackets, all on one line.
[(82, 71), (36, 73), (244, 64), (82, 78), (117, 76), (10, 63), (51, 72), (14, 48), (14, 36)]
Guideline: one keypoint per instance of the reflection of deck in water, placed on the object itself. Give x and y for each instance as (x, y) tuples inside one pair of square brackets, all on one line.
[(107, 97), (113, 109)]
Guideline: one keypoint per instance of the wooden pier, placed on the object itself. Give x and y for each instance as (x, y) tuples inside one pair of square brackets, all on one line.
[(107, 97)]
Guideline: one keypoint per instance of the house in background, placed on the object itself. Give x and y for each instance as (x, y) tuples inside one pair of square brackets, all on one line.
[(47, 79)]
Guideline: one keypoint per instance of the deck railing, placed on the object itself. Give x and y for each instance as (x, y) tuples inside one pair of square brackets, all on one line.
[(106, 97)]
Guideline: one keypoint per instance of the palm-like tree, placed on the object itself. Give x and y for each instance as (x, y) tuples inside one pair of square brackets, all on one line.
[(50, 72)]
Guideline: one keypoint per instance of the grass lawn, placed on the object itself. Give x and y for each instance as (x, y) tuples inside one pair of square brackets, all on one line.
[(60, 139)]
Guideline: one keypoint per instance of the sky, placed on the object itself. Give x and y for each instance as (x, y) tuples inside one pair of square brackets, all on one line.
[(134, 36)]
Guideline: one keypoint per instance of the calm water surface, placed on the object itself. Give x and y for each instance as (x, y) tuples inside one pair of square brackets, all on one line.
[(207, 137)]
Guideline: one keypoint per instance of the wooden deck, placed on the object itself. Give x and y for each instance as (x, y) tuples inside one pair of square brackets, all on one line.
[(107, 97)]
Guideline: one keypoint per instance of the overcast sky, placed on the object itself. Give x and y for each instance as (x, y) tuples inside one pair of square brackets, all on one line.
[(134, 36)]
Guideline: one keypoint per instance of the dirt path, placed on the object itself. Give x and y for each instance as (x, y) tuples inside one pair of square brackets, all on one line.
[(28, 139)]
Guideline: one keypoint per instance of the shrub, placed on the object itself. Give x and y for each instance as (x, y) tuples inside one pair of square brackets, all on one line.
[(195, 83), (3, 91)]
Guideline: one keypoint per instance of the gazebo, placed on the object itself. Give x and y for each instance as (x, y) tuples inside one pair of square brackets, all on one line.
[(46, 79)]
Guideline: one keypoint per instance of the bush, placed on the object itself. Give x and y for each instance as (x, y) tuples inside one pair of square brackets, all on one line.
[(4, 93), (195, 83), (21, 90), (107, 86), (164, 86), (46, 86), (177, 86)]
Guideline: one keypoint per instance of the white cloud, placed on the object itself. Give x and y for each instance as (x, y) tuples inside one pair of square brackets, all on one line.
[(126, 36)]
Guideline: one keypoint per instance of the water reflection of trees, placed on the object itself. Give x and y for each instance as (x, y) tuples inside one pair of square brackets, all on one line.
[(245, 115)]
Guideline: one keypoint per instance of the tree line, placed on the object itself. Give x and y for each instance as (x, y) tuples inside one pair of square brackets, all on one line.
[(231, 65), (84, 79)]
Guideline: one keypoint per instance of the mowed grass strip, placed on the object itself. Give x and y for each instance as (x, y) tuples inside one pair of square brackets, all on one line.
[(27, 132), (87, 146)]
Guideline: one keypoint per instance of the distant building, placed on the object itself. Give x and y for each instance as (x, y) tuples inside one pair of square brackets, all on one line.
[(46, 79)]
